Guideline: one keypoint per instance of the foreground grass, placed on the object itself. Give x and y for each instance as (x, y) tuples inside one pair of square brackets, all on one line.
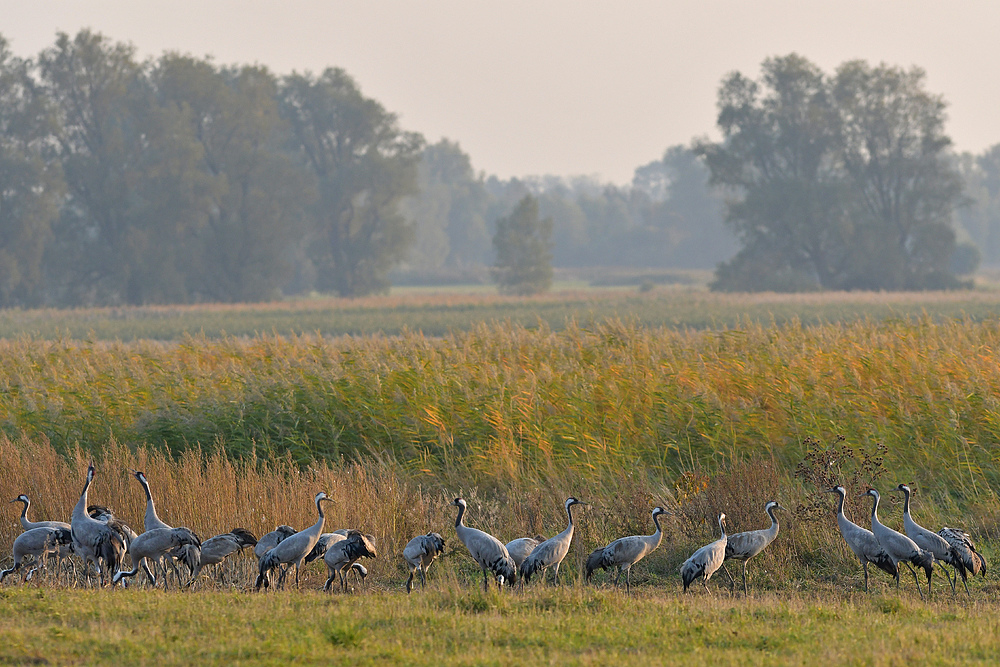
[(572, 625)]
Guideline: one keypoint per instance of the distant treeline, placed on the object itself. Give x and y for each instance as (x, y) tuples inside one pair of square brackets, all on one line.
[(176, 179)]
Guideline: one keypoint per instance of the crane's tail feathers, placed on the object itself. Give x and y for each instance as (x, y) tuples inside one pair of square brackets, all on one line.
[(884, 563), (689, 572), (267, 563), (504, 567), (244, 537)]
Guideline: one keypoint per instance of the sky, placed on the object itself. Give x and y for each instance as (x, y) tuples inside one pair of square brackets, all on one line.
[(580, 87)]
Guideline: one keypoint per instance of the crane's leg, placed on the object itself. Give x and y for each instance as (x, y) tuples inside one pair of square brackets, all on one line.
[(915, 580), (423, 577), (732, 582), (329, 580), (746, 592), (619, 577), (409, 582), (864, 563), (628, 580), (555, 580), (486, 588)]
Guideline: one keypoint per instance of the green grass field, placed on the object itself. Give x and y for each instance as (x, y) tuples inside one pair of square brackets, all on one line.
[(445, 627)]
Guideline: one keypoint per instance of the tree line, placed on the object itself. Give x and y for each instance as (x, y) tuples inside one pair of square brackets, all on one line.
[(176, 179)]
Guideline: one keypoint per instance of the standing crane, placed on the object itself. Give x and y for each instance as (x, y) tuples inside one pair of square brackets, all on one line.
[(95, 542), (933, 542), (626, 552), (28, 525), (521, 548), (292, 549), (270, 540), (862, 541), (486, 550), (552, 551), (900, 548), (744, 546), (705, 561), (420, 552)]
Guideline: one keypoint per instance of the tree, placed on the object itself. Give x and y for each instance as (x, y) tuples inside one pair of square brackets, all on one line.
[(780, 153), (254, 210), (840, 183), (893, 147), (30, 187), (523, 243), (363, 165), (131, 169)]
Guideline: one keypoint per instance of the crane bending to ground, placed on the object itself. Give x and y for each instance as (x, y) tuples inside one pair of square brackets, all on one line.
[(419, 553)]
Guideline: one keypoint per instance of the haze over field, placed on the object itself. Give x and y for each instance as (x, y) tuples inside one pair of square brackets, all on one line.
[(557, 87)]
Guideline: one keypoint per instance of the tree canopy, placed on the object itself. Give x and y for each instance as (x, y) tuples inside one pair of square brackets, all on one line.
[(841, 182)]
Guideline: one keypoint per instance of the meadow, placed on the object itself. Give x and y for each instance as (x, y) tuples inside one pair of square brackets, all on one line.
[(762, 397)]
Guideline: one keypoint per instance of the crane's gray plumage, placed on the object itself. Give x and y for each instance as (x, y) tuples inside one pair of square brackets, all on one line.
[(28, 525), (552, 551), (486, 550), (704, 562), (154, 544), (95, 542), (862, 541), (270, 540), (522, 547), (294, 548), (625, 552), (746, 545), (217, 548), (323, 543), (343, 554), (38, 543), (900, 548), (972, 561), (420, 552), (929, 541)]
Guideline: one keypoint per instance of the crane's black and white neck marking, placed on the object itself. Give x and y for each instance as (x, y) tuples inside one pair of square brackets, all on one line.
[(906, 497), (320, 497), (461, 504), (569, 503)]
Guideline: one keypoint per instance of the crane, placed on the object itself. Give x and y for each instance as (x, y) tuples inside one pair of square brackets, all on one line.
[(486, 550), (744, 546), (707, 560), (343, 554), (38, 543), (95, 542), (293, 548), (420, 552), (900, 548), (626, 552), (862, 541), (153, 545), (552, 551), (972, 560), (930, 541)]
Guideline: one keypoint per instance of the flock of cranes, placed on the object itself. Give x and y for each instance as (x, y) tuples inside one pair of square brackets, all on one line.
[(103, 542)]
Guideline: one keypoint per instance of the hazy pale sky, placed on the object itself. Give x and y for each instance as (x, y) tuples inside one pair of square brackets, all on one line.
[(562, 87)]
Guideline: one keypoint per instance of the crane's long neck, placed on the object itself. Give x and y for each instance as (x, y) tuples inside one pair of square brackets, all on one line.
[(317, 527), (774, 521), (840, 505), (81, 505), (875, 521), (24, 512), (458, 519), (151, 517), (906, 501), (654, 539), (722, 527)]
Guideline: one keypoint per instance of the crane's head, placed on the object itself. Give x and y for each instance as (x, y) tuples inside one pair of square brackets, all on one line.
[(321, 496), (657, 511), (139, 475), (837, 489), (459, 502), (21, 499), (773, 504), (90, 472), (573, 501), (873, 493), (903, 487)]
